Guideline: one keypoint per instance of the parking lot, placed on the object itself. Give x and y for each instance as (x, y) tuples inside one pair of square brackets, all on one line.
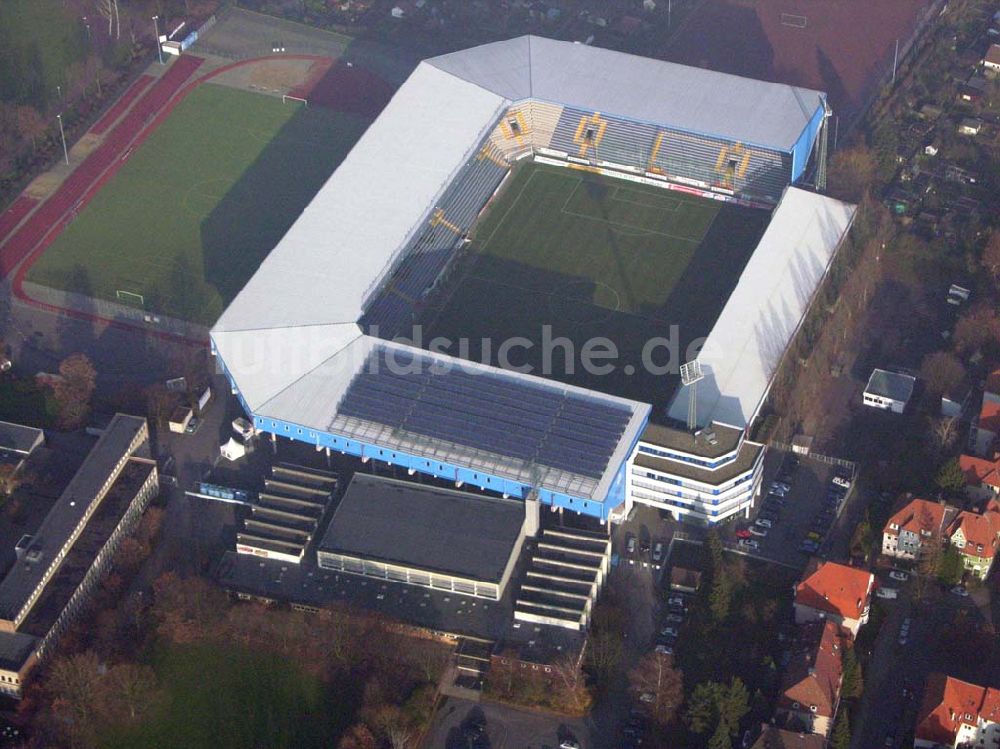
[(792, 521)]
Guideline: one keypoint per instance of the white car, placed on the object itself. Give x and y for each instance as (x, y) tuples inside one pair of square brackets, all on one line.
[(669, 632), (675, 600), (664, 650), (569, 744), (958, 590), (898, 575), (750, 544), (757, 531), (762, 523), (780, 489), (846, 483)]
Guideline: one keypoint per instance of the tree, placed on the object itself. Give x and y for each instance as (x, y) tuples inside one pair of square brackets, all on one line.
[(941, 371), (950, 478), (712, 703), (358, 737), (10, 479), (721, 738), (977, 330), (851, 173), (74, 389), (841, 736), (655, 675), (132, 691), (570, 684), (944, 432), (885, 144), (721, 593), (991, 256), (702, 708), (853, 684), (29, 123), (951, 567)]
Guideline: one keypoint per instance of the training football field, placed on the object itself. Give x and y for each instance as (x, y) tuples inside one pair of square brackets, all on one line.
[(593, 256), (195, 209)]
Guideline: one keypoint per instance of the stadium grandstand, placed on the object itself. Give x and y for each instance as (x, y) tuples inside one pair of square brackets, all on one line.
[(310, 345)]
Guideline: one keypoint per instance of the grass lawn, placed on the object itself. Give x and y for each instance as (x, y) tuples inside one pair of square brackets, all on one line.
[(39, 39), (221, 697), (194, 210), (594, 256)]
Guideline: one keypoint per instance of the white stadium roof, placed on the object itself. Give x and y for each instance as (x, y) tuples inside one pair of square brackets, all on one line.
[(765, 309), (291, 341)]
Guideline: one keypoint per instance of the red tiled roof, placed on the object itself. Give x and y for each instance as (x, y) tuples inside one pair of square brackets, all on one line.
[(836, 588), (915, 516), (980, 471), (979, 531), (813, 673), (989, 416), (947, 702)]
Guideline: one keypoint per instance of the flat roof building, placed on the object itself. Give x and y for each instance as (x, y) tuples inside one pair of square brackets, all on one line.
[(423, 535), (17, 439), (58, 566), (890, 391)]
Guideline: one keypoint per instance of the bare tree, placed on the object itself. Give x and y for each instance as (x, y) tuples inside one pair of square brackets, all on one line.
[(941, 371), (571, 683), (991, 256), (655, 675), (109, 9), (74, 389), (29, 123), (132, 690), (944, 434)]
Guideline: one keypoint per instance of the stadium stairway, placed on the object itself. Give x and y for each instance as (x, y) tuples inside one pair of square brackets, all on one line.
[(544, 118), (563, 578)]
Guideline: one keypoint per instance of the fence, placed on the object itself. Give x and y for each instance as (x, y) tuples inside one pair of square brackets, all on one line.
[(829, 460)]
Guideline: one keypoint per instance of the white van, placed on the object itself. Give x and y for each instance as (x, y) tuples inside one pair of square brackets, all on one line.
[(890, 593)]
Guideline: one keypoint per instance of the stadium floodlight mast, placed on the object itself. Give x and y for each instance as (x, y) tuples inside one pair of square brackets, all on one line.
[(691, 374), (156, 38), (62, 133)]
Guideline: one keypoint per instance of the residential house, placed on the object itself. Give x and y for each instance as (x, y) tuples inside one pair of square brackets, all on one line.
[(810, 687), (836, 592), (987, 426), (955, 713), (982, 476), (991, 61), (917, 522), (970, 126), (977, 536)]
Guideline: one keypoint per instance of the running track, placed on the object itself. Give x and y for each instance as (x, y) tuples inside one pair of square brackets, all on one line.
[(43, 228), (14, 213), (56, 210), (130, 95)]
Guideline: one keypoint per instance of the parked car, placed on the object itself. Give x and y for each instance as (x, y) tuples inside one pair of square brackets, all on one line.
[(674, 618), (669, 632), (780, 489), (958, 590), (764, 522), (809, 547), (842, 482), (675, 600), (887, 593), (904, 631), (664, 649), (743, 533), (758, 531), (630, 545), (192, 426), (814, 536), (658, 552), (750, 544), (899, 575)]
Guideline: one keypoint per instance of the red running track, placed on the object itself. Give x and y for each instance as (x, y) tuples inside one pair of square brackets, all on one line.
[(131, 94), (14, 213), (104, 161)]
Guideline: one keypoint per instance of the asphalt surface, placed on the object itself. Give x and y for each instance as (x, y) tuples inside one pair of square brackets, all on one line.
[(505, 727)]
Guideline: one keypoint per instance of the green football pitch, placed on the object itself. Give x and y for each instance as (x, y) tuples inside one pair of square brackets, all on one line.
[(197, 207), (595, 257)]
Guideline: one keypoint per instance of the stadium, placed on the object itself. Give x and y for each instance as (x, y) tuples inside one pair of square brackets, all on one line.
[(534, 182)]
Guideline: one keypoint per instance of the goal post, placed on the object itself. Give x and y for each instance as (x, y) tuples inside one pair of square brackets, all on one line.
[(285, 98), (130, 297)]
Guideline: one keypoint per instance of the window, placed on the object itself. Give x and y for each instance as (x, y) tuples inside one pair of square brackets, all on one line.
[(588, 134), (515, 126)]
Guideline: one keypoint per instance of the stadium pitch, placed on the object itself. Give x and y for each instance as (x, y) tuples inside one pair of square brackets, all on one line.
[(593, 256), (195, 209)]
